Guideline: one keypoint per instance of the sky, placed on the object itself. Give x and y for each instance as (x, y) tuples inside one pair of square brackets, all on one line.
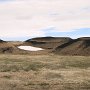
[(24, 19)]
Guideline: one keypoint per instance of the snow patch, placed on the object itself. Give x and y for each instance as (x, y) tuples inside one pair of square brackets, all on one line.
[(30, 48)]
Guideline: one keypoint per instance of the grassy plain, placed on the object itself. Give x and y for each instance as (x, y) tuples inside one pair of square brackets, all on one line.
[(44, 72)]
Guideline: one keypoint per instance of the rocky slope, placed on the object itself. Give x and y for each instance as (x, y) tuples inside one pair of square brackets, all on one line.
[(80, 46)]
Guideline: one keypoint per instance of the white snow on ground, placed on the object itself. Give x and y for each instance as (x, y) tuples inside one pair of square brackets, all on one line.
[(30, 48)]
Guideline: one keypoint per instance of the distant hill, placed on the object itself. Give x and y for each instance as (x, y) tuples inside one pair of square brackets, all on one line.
[(80, 46), (62, 45), (55, 45), (47, 42)]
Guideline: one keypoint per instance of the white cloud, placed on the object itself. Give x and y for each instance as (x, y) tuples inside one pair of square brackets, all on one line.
[(19, 18)]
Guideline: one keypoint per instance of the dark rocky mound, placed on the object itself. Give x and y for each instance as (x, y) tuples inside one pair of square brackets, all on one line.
[(47, 42), (1, 41), (80, 46)]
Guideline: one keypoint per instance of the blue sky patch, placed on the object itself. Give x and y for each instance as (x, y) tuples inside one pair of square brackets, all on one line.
[(83, 32)]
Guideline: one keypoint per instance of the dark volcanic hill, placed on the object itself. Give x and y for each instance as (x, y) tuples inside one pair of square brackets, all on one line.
[(80, 46), (47, 42)]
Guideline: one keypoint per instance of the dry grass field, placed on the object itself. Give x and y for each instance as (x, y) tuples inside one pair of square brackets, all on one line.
[(44, 72)]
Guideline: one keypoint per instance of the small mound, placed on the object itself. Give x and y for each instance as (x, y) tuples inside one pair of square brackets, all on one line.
[(8, 47)]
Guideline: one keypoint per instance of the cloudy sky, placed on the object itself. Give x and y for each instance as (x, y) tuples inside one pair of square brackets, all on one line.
[(23, 19)]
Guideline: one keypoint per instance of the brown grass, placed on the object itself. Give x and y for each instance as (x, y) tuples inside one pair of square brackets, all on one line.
[(44, 72)]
